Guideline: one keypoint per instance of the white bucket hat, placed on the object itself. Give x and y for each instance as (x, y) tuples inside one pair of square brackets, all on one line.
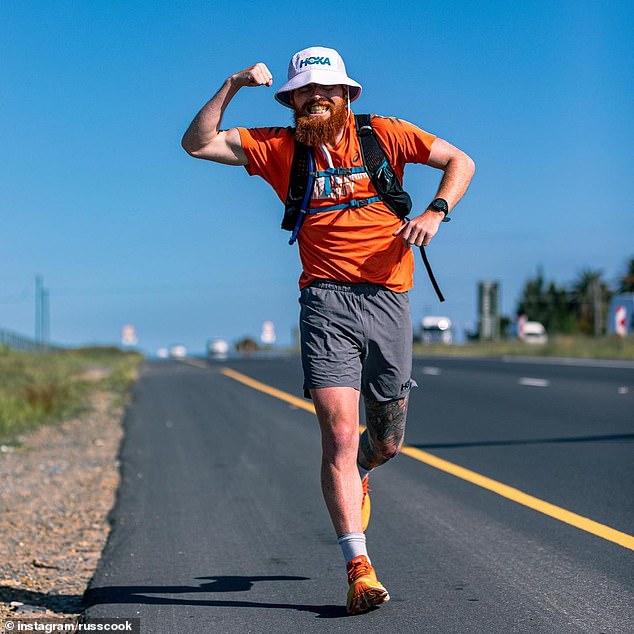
[(316, 65)]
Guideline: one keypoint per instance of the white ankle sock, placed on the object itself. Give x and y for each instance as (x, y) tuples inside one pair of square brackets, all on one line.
[(352, 545)]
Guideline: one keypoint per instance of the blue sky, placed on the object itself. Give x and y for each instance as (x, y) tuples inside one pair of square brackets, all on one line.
[(99, 198)]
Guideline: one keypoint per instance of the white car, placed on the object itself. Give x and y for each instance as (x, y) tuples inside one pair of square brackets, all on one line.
[(436, 330), (217, 348), (534, 332), (178, 351)]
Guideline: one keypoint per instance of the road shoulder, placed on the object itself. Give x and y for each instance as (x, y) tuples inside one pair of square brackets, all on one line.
[(59, 484)]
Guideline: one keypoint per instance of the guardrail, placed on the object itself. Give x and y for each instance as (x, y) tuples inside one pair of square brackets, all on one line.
[(17, 341)]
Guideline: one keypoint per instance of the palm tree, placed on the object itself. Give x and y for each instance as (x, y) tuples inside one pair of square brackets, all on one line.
[(547, 303), (626, 283), (591, 296)]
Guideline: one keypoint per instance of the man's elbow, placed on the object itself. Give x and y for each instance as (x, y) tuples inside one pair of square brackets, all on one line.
[(470, 166), (465, 164), (215, 150), (191, 148)]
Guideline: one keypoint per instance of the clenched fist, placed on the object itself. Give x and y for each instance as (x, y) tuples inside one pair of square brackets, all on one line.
[(257, 75)]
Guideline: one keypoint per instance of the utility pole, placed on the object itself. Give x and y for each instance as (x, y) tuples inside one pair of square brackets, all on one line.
[(38, 309), (46, 321), (597, 306), (42, 313), (489, 311)]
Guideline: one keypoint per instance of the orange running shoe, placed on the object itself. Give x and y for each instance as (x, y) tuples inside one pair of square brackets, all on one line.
[(365, 591), (366, 505)]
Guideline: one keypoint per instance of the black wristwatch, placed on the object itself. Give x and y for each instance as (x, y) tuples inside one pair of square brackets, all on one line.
[(439, 205)]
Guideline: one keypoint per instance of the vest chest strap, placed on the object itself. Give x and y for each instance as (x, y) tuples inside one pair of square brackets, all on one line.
[(339, 171), (354, 204)]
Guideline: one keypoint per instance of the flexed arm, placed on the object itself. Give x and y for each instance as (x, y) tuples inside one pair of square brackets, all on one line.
[(204, 139)]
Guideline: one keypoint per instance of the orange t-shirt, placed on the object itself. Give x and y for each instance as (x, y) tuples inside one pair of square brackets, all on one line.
[(352, 244)]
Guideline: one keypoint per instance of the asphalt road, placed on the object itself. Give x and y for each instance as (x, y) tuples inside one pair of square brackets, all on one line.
[(219, 524)]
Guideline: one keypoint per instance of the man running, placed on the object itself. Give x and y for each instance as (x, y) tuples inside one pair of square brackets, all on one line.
[(357, 266)]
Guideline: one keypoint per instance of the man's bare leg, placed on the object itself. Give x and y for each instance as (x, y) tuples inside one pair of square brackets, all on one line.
[(338, 415)]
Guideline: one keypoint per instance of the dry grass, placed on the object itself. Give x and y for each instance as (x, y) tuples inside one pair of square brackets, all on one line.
[(38, 388), (558, 346)]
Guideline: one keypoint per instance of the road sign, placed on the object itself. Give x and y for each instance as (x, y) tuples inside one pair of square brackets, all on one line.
[(128, 335), (268, 333), (620, 319)]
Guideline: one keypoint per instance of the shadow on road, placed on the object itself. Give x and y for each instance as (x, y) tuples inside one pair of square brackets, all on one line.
[(532, 441), (138, 595)]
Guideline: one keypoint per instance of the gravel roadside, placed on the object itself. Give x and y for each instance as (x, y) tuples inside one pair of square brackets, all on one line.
[(57, 487)]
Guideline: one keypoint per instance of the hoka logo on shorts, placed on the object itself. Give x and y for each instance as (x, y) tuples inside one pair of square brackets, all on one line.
[(309, 61)]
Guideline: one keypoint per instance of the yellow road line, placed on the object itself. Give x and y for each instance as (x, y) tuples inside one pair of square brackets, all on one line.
[(568, 517), (267, 389), (508, 492), (195, 363)]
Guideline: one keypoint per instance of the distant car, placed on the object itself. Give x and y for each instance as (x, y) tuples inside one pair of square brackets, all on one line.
[(436, 330), (217, 348), (178, 351), (162, 353), (533, 332)]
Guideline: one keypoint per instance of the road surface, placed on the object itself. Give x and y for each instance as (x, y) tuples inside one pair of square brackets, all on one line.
[(511, 510)]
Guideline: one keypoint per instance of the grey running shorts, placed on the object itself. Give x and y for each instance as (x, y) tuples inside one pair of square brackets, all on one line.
[(356, 335)]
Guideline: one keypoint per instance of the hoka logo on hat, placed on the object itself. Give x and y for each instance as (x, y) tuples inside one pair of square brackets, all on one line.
[(314, 60), (316, 65)]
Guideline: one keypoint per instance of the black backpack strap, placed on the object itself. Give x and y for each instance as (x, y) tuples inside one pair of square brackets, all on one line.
[(373, 154), (382, 174), (297, 186), (430, 273)]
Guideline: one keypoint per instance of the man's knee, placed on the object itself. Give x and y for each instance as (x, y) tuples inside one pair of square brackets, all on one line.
[(386, 420), (338, 414), (389, 450), (373, 452)]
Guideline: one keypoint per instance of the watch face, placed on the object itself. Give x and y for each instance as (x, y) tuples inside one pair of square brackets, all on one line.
[(440, 205)]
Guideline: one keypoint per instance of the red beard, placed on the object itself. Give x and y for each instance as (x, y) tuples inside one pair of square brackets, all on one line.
[(316, 130)]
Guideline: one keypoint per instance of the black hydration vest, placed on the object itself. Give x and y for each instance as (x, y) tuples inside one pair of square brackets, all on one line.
[(375, 162)]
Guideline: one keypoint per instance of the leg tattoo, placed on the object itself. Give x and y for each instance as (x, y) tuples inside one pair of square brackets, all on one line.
[(384, 432)]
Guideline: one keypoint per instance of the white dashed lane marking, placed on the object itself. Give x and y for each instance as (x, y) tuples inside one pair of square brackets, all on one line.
[(431, 371), (532, 382)]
